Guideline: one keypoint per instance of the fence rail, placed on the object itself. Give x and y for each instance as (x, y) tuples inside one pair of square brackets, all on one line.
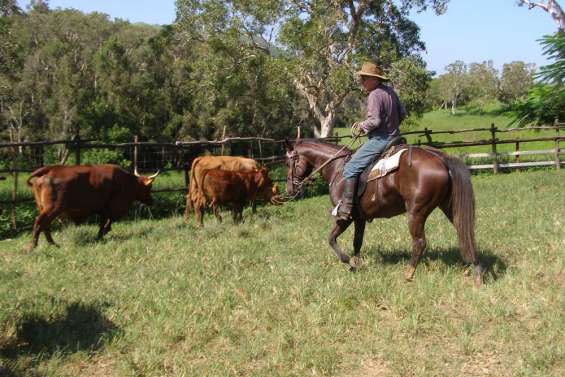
[(25, 157)]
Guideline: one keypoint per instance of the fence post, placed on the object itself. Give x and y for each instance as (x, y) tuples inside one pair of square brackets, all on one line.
[(15, 188), (428, 135), (223, 140), (517, 157), (557, 149), (135, 151), (493, 149), (77, 149)]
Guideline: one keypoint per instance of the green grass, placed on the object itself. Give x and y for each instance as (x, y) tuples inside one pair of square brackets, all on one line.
[(269, 298)]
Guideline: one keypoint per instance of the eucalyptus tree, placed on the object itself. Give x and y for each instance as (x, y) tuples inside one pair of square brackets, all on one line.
[(320, 43)]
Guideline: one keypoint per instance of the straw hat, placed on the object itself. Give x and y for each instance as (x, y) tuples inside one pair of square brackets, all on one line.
[(371, 69)]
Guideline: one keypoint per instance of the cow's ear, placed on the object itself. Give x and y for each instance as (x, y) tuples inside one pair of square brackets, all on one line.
[(148, 181), (288, 145)]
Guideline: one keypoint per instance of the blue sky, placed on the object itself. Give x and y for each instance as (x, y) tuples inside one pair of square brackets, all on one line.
[(471, 30)]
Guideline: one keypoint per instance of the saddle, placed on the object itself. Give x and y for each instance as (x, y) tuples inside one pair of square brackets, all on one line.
[(394, 146)]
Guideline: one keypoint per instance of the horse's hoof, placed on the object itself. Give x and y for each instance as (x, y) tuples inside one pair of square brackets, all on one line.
[(356, 262)]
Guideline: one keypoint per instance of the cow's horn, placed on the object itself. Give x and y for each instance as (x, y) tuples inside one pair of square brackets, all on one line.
[(298, 134), (136, 172), (154, 175)]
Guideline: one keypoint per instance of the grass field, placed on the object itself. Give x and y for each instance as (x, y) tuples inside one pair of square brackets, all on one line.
[(268, 298)]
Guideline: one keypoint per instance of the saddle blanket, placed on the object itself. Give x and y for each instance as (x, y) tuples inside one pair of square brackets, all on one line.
[(385, 165)]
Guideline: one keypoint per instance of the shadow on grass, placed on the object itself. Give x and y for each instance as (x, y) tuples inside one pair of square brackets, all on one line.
[(494, 266), (82, 328)]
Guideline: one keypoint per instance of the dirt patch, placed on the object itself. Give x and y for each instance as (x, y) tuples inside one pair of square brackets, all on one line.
[(370, 368)]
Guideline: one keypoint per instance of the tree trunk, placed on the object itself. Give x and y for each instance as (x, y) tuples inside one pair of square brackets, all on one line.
[(327, 124)]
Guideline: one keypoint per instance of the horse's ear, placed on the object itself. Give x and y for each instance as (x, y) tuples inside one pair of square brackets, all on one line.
[(288, 145)]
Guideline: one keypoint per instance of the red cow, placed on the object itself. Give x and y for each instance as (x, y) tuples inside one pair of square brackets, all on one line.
[(77, 192), (234, 190)]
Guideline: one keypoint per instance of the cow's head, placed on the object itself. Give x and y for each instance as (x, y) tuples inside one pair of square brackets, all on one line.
[(265, 187), (143, 189)]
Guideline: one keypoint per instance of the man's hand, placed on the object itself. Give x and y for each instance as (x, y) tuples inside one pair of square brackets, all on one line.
[(356, 129)]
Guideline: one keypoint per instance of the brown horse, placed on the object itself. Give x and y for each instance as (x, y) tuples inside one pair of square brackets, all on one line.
[(426, 178)]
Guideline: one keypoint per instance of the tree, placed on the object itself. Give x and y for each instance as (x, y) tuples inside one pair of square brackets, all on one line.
[(483, 82), (551, 7), (453, 84), (517, 78), (545, 102), (411, 80), (320, 42)]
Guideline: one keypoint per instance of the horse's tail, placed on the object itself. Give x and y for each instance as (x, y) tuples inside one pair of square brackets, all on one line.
[(461, 208)]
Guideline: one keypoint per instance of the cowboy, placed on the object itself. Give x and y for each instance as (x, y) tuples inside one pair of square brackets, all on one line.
[(384, 114)]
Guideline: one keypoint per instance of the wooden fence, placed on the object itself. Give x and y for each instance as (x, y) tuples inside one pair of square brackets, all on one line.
[(26, 157)]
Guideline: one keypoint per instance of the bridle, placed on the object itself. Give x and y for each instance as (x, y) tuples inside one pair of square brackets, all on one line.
[(297, 183)]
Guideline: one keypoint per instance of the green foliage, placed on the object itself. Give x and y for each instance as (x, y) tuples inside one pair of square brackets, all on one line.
[(104, 156), (546, 101)]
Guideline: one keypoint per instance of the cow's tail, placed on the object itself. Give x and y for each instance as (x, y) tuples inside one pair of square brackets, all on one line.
[(38, 173), (192, 188)]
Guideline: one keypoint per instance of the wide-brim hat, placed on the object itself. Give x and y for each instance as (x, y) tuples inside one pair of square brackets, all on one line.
[(373, 70)]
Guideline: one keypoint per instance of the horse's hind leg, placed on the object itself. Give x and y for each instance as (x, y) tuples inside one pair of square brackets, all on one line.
[(416, 225), (338, 229), (357, 243)]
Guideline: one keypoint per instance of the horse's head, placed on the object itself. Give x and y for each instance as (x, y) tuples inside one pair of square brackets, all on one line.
[(298, 168)]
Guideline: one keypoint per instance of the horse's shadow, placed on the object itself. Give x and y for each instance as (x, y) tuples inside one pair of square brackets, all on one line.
[(494, 266), (81, 328)]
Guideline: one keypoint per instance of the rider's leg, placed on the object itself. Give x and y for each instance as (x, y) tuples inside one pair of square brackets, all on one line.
[(362, 158)]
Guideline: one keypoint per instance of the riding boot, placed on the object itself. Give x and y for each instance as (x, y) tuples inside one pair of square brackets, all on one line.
[(346, 206)]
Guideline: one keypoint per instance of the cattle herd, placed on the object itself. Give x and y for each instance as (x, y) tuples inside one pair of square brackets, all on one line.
[(78, 192)]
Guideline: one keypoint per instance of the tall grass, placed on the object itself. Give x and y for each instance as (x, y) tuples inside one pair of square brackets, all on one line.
[(268, 298)]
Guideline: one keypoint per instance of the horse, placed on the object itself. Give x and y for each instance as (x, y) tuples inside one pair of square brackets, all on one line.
[(426, 178)]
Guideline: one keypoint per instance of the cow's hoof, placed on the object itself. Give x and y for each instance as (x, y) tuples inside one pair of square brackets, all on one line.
[(409, 274)]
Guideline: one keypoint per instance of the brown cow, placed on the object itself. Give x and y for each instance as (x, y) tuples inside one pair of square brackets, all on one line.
[(234, 190), (204, 163), (76, 192)]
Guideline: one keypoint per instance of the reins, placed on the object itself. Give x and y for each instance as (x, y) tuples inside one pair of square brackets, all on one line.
[(310, 176)]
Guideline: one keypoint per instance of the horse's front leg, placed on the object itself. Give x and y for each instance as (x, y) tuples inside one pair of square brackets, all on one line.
[(357, 243), (339, 227)]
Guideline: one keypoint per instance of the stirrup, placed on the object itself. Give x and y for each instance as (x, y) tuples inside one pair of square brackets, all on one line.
[(335, 210)]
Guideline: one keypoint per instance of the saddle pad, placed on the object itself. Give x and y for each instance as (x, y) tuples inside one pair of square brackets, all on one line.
[(385, 166)]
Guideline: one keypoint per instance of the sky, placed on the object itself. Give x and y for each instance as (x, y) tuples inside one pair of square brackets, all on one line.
[(471, 30)]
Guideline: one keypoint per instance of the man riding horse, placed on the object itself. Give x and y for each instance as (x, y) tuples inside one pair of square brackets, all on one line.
[(384, 114)]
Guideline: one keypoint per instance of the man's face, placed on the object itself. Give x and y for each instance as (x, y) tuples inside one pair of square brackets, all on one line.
[(369, 83)]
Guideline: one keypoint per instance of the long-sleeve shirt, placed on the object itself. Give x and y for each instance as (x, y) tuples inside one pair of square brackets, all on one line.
[(384, 113)]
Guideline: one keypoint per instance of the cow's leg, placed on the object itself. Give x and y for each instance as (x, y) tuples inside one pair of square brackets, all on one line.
[(254, 207), (216, 210), (198, 213), (237, 214), (41, 224), (105, 227), (187, 208)]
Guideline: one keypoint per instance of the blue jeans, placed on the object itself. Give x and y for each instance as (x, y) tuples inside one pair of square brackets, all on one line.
[(363, 157)]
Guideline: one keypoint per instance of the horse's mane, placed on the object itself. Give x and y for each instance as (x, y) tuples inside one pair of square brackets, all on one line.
[(323, 145)]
